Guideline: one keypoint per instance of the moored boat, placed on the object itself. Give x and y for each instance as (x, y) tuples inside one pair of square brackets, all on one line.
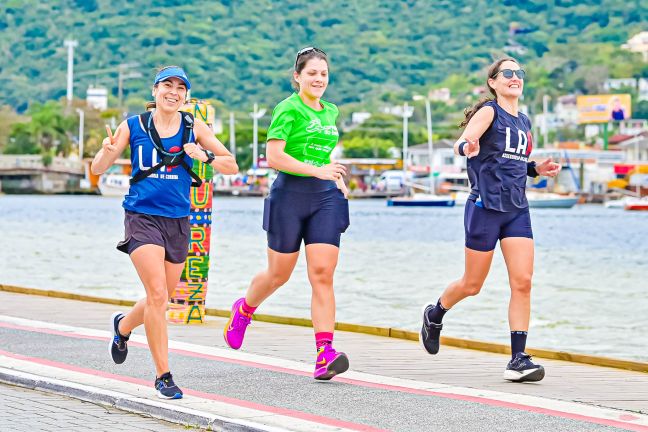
[(112, 184), (422, 200), (637, 204), (550, 200)]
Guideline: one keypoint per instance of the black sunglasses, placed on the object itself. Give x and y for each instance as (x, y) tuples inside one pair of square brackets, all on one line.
[(306, 50), (508, 73)]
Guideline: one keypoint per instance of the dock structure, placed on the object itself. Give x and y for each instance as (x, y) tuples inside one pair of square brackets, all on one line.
[(33, 174)]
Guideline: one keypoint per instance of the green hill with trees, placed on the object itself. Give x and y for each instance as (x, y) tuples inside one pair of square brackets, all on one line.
[(238, 52)]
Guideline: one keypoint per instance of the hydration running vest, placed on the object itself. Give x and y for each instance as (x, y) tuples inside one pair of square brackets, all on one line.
[(168, 159)]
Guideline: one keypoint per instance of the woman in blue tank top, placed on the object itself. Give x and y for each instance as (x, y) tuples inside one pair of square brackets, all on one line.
[(157, 208), (497, 141)]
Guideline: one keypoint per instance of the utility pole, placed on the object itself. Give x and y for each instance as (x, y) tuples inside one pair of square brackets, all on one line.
[(70, 44), (123, 75), (428, 117), (232, 134), (256, 115), (406, 113), (545, 123), (81, 121)]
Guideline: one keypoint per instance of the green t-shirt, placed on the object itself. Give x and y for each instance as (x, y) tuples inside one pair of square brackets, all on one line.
[(310, 135)]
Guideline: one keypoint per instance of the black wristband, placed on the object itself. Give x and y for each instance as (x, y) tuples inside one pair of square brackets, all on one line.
[(531, 169), (460, 148)]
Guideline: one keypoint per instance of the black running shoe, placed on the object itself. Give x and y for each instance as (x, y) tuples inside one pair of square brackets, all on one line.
[(166, 388), (521, 369), (118, 343), (430, 332)]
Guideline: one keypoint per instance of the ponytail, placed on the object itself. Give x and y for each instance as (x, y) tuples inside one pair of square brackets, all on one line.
[(471, 110)]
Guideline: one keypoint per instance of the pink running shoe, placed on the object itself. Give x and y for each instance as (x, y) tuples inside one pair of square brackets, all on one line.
[(234, 331), (329, 363)]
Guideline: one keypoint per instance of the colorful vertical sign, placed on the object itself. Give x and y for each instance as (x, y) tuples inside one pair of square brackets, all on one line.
[(187, 306)]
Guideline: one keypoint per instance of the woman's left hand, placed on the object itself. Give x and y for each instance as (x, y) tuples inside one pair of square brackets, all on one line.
[(548, 168), (343, 187), (194, 151)]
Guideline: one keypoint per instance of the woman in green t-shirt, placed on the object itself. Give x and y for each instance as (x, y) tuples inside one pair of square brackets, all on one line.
[(307, 202)]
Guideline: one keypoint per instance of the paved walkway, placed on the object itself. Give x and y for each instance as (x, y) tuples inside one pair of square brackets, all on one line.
[(23, 410), (392, 385)]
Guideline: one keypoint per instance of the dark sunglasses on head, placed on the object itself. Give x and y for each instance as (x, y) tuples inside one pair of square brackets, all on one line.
[(306, 50), (508, 73)]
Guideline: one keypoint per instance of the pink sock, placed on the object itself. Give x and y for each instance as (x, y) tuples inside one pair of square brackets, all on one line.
[(323, 338), (247, 308)]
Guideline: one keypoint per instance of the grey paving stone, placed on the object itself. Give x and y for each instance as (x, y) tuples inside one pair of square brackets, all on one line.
[(25, 410)]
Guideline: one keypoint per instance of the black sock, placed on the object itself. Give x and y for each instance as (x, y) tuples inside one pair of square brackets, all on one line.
[(436, 314), (518, 342)]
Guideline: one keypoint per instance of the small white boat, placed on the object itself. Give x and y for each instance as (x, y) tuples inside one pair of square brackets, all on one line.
[(111, 184), (637, 204), (550, 200), (422, 200), (617, 203)]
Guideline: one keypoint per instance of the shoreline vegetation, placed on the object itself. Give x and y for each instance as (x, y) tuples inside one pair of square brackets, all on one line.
[(382, 54)]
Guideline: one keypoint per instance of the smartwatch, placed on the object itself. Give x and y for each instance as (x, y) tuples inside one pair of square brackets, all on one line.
[(210, 157)]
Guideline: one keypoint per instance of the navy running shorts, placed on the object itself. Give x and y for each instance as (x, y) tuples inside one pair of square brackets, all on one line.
[(304, 208), (484, 227), (170, 233)]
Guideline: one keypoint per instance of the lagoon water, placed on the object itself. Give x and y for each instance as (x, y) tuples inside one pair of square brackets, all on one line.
[(590, 281)]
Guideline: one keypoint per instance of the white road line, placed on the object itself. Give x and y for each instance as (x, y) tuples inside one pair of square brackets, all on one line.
[(628, 417)]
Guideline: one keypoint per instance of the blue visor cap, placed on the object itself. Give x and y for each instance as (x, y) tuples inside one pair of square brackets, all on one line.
[(172, 72)]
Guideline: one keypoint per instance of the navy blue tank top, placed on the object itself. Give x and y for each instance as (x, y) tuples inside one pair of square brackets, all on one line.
[(166, 191), (498, 174)]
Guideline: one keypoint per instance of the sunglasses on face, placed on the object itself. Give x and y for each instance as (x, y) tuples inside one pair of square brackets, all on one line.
[(306, 50), (508, 73)]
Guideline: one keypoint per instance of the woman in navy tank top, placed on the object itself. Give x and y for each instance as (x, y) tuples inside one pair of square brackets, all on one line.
[(497, 141), (157, 208)]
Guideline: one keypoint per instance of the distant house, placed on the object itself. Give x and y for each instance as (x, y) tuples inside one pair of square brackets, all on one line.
[(565, 113), (440, 94), (642, 89), (97, 97), (360, 117), (633, 126), (635, 147), (480, 91), (641, 85), (618, 83), (639, 44), (444, 159), (566, 110)]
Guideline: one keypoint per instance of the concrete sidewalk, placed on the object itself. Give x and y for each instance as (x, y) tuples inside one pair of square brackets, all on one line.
[(392, 385), (25, 410)]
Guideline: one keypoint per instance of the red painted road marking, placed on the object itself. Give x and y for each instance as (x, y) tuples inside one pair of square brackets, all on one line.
[(211, 396), (468, 398)]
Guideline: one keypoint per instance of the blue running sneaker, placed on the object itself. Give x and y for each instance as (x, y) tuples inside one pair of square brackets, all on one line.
[(166, 388), (118, 343), (521, 369), (430, 332)]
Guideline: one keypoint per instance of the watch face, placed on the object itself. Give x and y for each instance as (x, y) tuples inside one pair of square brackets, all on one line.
[(210, 156)]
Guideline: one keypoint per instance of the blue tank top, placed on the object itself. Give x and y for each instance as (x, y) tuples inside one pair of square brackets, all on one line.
[(498, 174), (166, 191)]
